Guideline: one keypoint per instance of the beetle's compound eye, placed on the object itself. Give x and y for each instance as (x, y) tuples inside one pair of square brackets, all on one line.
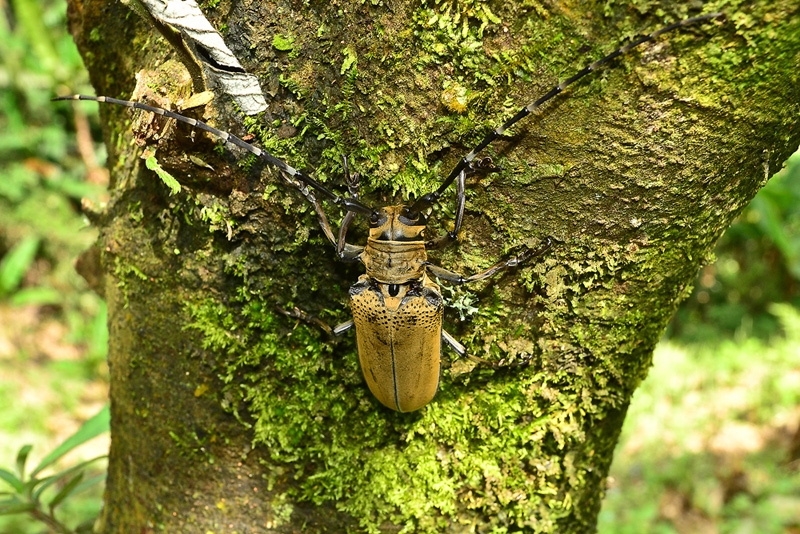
[(377, 218), (410, 218)]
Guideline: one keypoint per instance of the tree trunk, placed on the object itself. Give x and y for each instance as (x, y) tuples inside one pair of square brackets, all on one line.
[(227, 415)]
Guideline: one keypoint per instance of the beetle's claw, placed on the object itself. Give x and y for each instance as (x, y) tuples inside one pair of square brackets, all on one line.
[(484, 166), (523, 360)]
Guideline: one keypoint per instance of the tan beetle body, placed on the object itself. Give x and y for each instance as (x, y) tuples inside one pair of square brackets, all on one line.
[(397, 314)]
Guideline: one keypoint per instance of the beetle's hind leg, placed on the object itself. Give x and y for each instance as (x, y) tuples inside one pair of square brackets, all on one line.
[(336, 331), (461, 350)]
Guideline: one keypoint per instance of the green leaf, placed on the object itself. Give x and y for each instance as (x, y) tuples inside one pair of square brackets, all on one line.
[(68, 488), (91, 481), (92, 428), (16, 263), (12, 480), (152, 163), (46, 482), (40, 295), (22, 458)]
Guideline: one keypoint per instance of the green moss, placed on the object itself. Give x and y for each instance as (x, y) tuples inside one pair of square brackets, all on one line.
[(284, 43)]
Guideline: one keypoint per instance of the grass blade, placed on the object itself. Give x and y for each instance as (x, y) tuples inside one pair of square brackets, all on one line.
[(68, 488), (92, 428), (22, 458), (15, 506), (12, 480), (46, 482), (16, 263)]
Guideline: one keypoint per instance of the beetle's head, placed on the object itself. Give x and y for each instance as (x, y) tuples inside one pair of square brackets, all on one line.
[(396, 223)]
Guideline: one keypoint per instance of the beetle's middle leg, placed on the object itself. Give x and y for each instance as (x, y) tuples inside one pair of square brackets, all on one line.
[(455, 278)]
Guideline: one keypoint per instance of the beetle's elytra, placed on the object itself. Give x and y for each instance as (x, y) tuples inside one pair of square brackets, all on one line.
[(397, 307)]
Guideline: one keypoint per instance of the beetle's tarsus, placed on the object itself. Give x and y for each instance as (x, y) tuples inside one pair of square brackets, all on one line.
[(300, 315), (454, 344)]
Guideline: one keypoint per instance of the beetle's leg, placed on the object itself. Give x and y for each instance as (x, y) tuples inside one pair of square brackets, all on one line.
[(340, 329), (452, 236), (455, 278), (453, 343), (461, 350), (346, 251), (483, 166), (311, 197), (299, 314)]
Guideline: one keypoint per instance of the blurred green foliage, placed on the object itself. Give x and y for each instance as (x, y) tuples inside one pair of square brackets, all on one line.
[(707, 445), (35, 496), (43, 178), (42, 232), (758, 264)]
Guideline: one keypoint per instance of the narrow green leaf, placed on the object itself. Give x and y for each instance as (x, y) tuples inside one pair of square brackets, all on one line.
[(30, 18), (46, 482), (92, 428), (152, 164), (22, 458), (16, 263), (40, 295), (91, 481), (68, 488), (12, 480)]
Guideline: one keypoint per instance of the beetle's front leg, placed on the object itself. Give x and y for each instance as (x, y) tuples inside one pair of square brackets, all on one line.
[(483, 167), (346, 252)]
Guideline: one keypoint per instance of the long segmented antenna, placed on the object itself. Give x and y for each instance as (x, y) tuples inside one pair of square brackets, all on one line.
[(350, 204), (429, 199)]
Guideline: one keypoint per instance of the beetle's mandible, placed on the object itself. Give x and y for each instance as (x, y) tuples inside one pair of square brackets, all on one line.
[(397, 308)]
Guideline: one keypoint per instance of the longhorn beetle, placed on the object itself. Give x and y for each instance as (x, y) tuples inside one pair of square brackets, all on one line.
[(397, 308)]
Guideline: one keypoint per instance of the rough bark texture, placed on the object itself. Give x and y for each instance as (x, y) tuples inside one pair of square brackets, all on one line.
[(229, 416)]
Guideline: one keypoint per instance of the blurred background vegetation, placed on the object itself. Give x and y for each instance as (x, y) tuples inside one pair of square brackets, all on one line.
[(711, 443)]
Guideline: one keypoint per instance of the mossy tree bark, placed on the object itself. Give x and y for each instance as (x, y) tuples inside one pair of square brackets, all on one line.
[(229, 416)]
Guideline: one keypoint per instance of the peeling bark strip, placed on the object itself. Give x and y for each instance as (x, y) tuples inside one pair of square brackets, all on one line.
[(227, 416), (221, 67)]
